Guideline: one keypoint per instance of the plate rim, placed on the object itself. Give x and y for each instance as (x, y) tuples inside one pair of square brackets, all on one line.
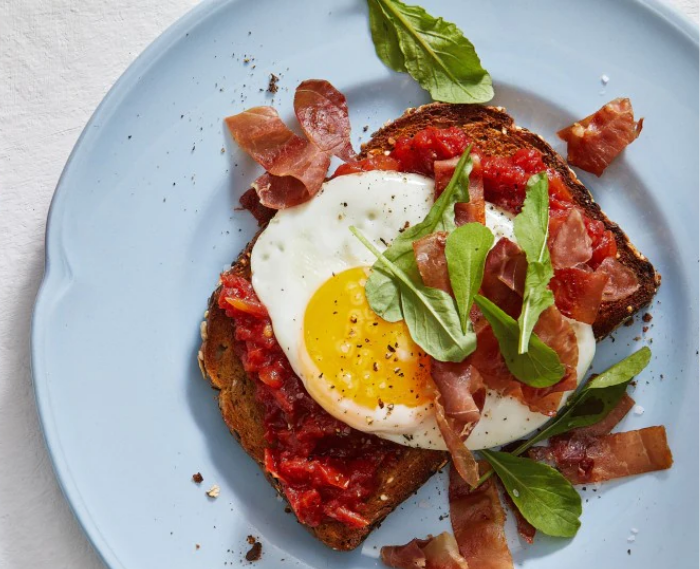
[(56, 270)]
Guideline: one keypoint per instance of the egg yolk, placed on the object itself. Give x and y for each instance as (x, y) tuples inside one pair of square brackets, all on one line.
[(365, 358)]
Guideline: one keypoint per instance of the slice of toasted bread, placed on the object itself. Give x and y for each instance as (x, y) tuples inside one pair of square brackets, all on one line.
[(493, 130), (244, 417)]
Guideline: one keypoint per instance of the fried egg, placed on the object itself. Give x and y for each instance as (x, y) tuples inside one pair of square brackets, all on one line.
[(310, 271)]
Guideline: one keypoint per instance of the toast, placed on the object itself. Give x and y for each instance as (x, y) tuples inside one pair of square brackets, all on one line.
[(244, 417), (494, 131)]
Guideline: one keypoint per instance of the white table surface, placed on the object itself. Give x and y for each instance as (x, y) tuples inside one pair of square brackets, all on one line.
[(57, 60)]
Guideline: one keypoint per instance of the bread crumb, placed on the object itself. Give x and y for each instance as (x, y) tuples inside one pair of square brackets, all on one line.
[(197, 478), (255, 552), (203, 330), (197, 546), (213, 492), (383, 497), (647, 318)]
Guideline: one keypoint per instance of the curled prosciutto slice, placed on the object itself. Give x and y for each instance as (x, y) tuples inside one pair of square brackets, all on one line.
[(295, 168), (440, 552), (322, 112), (555, 331), (622, 281), (431, 261), (584, 459), (578, 292), (570, 244), (458, 407), (594, 142), (475, 210), (504, 276), (478, 523)]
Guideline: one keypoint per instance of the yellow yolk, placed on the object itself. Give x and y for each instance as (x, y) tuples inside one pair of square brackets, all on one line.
[(365, 358)]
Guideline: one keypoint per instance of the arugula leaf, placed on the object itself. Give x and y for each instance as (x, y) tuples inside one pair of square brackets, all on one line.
[(385, 38), (381, 289), (544, 497), (593, 403), (465, 250), (430, 314), (539, 366), (531, 228), (434, 52)]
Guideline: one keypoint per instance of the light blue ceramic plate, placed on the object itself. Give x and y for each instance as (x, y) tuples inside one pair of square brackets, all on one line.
[(143, 220)]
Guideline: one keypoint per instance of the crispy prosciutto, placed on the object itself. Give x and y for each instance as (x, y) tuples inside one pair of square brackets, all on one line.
[(322, 112), (594, 142), (586, 458), (295, 167), (578, 292), (504, 276), (478, 523), (622, 281), (431, 261), (440, 552), (461, 387), (570, 245), (475, 210)]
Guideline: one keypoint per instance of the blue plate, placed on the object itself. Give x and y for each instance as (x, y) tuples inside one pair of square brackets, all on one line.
[(143, 220)]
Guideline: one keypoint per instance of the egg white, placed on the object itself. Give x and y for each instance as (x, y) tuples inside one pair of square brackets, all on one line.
[(304, 246)]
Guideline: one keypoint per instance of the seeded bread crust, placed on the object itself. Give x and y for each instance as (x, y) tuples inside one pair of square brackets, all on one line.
[(495, 133)]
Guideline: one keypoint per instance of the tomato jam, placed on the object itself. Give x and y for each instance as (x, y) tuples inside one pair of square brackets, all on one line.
[(326, 469), (505, 179)]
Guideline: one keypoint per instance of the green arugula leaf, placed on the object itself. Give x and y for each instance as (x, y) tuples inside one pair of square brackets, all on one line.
[(385, 38), (593, 403), (466, 250), (430, 314), (434, 52), (539, 366), (382, 290), (531, 228), (544, 497)]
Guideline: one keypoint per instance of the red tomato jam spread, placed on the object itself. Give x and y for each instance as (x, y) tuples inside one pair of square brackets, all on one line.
[(505, 181), (326, 469)]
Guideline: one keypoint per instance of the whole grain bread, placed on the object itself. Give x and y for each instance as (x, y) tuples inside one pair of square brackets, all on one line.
[(244, 417), (495, 133)]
